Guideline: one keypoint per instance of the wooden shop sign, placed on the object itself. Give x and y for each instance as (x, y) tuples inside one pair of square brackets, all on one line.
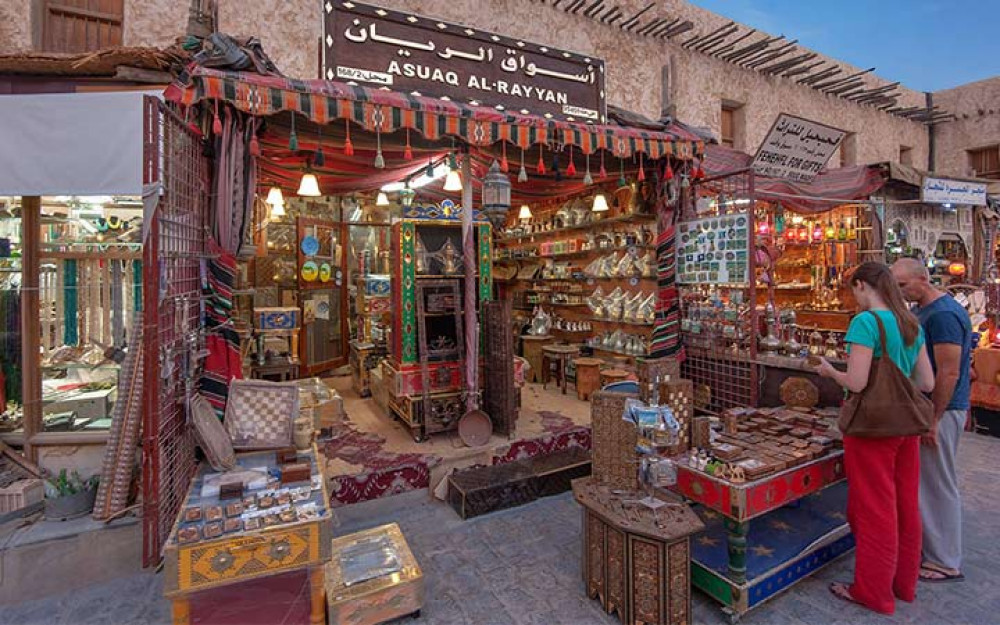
[(371, 46), (796, 149)]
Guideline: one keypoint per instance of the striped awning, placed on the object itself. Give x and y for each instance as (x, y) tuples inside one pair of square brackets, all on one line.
[(384, 111)]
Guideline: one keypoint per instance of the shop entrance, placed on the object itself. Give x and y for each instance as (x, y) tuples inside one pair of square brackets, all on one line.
[(322, 267)]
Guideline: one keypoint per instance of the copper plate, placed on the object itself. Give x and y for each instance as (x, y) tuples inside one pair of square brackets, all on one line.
[(475, 428)]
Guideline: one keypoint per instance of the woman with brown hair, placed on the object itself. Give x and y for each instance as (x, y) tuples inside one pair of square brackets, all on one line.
[(883, 474)]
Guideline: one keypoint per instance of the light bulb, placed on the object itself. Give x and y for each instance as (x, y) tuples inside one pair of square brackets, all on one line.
[(309, 186), (453, 182), (600, 203)]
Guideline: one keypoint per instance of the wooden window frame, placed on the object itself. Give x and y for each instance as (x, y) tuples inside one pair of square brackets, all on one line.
[(975, 153), (95, 26)]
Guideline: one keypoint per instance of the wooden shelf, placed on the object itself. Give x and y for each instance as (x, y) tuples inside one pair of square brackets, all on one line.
[(578, 253), (648, 326), (637, 218)]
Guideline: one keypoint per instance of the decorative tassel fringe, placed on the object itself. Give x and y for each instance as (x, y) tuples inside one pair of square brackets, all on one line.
[(541, 162), (571, 168), (408, 152), (522, 175), (348, 146)]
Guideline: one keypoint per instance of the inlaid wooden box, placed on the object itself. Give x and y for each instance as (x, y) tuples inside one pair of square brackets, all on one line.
[(376, 600)]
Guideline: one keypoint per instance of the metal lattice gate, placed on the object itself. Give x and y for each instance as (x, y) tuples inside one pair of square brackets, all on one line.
[(174, 254)]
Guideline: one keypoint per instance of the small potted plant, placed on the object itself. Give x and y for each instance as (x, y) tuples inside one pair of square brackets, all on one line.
[(68, 496)]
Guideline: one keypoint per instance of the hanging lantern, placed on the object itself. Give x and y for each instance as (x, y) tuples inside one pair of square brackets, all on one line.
[(496, 195), (802, 234), (406, 196), (817, 232), (956, 269), (763, 228)]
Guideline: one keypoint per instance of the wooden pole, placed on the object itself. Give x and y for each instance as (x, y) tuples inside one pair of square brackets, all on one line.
[(31, 373)]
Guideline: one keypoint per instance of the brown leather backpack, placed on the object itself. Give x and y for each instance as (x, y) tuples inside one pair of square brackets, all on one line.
[(889, 405)]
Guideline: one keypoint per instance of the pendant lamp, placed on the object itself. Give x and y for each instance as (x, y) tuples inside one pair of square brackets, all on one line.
[(600, 204), (309, 186), (525, 213), (382, 199), (274, 196), (453, 182)]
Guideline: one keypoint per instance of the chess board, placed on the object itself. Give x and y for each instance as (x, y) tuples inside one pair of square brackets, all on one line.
[(259, 414)]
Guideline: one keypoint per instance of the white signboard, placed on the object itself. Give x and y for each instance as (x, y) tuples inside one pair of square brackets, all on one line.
[(944, 191), (796, 149)]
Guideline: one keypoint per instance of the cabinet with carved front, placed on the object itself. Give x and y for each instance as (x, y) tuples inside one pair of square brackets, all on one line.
[(425, 368), (636, 561)]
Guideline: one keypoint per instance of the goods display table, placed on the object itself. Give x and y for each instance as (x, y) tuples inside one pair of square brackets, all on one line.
[(798, 526), (636, 560), (272, 529), (373, 578)]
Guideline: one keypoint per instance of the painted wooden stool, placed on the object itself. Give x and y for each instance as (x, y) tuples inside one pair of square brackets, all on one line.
[(531, 349), (588, 376), (609, 376), (560, 355)]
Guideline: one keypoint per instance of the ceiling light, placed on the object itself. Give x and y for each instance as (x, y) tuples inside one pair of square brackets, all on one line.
[(274, 196), (525, 212), (382, 200), (309, 186), (600, 203)]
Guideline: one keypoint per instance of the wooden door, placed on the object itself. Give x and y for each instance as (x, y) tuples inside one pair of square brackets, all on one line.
[(82, 25), (322, 294)]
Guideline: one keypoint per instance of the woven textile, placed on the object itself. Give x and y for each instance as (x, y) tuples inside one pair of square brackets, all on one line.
[(666, 336), (223, 364)]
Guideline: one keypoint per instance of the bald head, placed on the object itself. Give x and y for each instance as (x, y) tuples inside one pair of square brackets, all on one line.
[(913, 279)]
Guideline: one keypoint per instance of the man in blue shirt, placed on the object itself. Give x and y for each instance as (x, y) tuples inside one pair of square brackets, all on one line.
[(948, 333)]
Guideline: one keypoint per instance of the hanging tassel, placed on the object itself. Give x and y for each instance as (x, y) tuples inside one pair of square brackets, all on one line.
[(621, 173), (541, 162), (571, 168), (293, 139), (379, 159), (587, 178), (408, 152), (429, 172), (319, 159), (603, 173), (522, 176), (217, 123), (254, 145), (504, 166), (668, 171), (699, 173), (642, 169), (348, 146)]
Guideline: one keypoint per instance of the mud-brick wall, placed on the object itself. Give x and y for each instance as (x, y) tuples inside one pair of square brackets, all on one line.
[(977, 106)]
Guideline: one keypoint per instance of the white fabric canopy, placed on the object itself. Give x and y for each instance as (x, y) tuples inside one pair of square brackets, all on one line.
[(71, 143)]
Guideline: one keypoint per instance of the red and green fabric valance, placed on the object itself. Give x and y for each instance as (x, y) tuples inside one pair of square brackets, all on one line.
[(380, 110)]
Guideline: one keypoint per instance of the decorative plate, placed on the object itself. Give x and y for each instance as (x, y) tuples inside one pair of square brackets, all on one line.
[(324, 272), (309, 271), (799, 392), (309, 245)]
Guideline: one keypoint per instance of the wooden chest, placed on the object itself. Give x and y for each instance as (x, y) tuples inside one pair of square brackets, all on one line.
[(376, 600)]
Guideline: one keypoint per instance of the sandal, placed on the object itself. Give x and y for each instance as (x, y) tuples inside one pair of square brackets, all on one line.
[(933, 575), (841, 590)]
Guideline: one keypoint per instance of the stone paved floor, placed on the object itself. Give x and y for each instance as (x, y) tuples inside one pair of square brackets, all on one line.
[(522, 566)]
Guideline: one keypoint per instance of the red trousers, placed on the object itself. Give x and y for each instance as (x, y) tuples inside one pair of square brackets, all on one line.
[(883, 479)]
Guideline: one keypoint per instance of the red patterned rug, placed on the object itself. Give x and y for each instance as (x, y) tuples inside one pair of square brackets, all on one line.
[(385, 473)]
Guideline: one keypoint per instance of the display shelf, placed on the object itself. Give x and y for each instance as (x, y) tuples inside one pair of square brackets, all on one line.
[(635, 218), (76, 365), (616, 352), (640, 324), (578, 253)]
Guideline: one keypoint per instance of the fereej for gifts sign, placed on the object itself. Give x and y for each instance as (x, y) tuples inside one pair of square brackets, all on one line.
[(796, 149)]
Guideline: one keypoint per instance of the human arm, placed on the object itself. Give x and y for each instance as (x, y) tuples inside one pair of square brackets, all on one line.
[(948, 358), (923, 372), (859, 364)]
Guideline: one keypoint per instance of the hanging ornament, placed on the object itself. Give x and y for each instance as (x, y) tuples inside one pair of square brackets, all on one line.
[(254, 145), (699, 173), (504, 166), (522, 175), (408, 152), (429, 172), (668, 171), (348, 146), (217, 123), (379, 159), (587, 178), (319, 159), (293, 139), (603, 173), (621, 173), (642, 169), (541, 162), (571, 168)]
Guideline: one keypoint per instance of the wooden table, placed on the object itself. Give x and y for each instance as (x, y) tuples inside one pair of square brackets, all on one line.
[(636, 561), (247, 555), (560, 354), (531, 349), (741, 503)]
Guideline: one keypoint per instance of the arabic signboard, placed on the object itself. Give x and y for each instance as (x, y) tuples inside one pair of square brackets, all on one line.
[(796, 149), (944, 191), (378, 47)]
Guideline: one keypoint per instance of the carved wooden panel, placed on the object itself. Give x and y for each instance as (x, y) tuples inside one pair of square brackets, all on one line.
[(647, 582), (595, 558), (616, 574)]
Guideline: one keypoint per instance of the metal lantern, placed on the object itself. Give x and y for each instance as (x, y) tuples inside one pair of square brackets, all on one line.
[(406, 196), (496, 195)]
